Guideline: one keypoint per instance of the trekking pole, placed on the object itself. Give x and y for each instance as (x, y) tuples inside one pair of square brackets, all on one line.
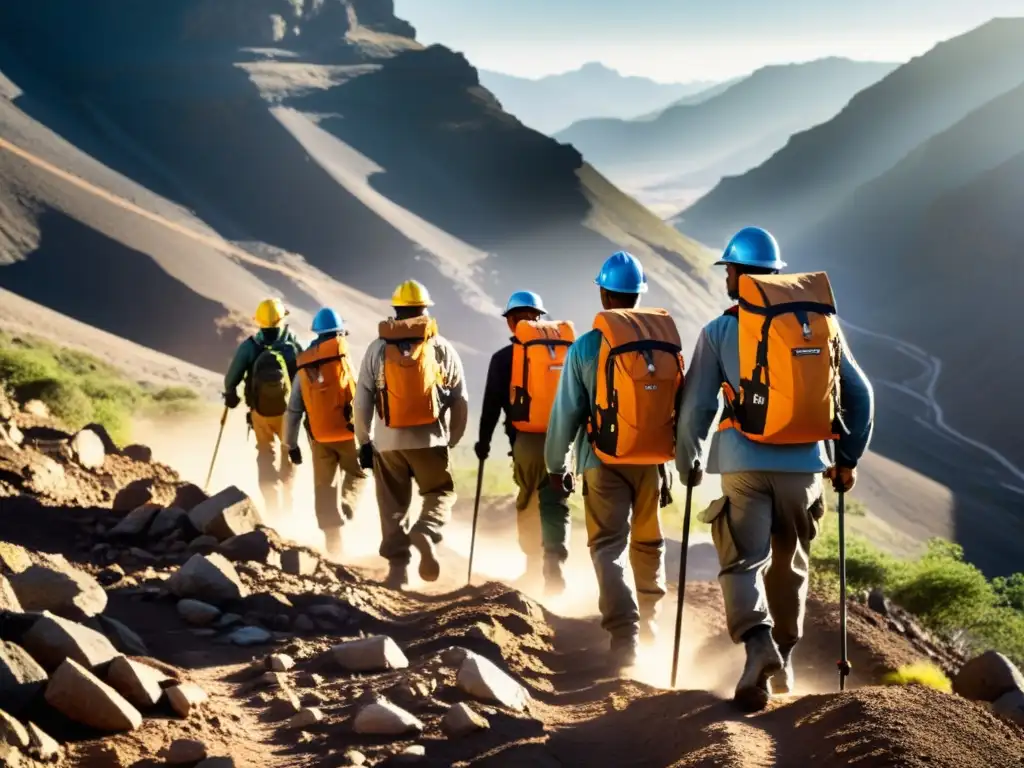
[(476, 512), (681, 583), (844, 663), (216, 448)]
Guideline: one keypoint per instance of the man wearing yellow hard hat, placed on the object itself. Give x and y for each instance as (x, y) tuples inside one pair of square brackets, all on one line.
[(411, 407), (265, 362)]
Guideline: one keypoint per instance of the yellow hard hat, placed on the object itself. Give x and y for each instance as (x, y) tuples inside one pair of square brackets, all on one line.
[(411, 293), (270, 313)]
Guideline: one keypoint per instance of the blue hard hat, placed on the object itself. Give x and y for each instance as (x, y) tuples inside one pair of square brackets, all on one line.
[(622, 272), (753, 247), (327, 321), (524, 300)]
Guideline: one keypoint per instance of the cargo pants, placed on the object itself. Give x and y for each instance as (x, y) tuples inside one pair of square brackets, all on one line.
[(394, 472), (542, 517), (762, 529), (272, 463), (329, 461), (622, 506)]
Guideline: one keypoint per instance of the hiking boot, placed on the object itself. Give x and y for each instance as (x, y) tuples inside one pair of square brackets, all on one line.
[(398, 576), (623, 651), (332, 542), (763, 661), (554, 580), (784, 681), (430, 568)]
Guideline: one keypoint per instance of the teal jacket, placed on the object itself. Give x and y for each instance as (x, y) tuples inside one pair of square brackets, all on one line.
[(279, 339), (573, 402)]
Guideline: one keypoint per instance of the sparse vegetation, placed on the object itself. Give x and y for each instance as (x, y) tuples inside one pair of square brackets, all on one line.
[(923, 673), (79, 388)]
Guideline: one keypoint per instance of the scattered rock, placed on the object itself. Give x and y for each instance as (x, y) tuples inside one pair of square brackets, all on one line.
[(12, 731), (21, 677), (280, 662), (185, 698), (228, 620), (137, 452), (189, 496), (111, 575), (203, 544), (135, 522), (166, 521), (198, 613), (57, 586), (268, 604), (10, 757), (246, 636), (210, 578), (256, 546), (299, 562), (987, 678), (13, 559), (355, 758), (8, 597), (80, 696), (303, 623), (453, 657), (43, 746), (124, 639), (462, 720), (370, 654), (183, 751), (109, 446), (306, 718), (878, 602), (53, 639), (134, 495), (480, 678), (1011, 706), (228, 513), (284, 704), (382, 718), (36, 408), (137, 682), (88, 450), (142, 555), (411, 754), (331, 612)]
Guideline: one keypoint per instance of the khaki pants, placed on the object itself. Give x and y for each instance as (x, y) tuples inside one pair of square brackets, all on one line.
[(272, 463), (610, 495), (330, 460), (542, 517), (394, 472), (763, 535)]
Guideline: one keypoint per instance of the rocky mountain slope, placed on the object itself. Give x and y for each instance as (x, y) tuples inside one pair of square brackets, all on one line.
[(334, 153), (551, 103)]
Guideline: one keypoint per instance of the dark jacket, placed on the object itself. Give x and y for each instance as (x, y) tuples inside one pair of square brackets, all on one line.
[(496, 396), (280, 339)]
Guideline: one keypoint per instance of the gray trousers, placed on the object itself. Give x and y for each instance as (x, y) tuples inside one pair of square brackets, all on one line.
[(763, 535)]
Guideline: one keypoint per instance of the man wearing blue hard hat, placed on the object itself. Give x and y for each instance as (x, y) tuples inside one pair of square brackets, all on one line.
[(521, 381), (615, 410), (790, 387), (323, 392)]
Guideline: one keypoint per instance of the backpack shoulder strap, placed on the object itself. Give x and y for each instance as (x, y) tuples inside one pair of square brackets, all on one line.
[(733, 311)]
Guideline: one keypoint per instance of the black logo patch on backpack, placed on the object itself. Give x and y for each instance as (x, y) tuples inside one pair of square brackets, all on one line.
[(269, 386)]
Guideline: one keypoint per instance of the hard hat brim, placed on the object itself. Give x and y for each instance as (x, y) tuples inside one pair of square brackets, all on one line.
[(737, 262), (642, 289)]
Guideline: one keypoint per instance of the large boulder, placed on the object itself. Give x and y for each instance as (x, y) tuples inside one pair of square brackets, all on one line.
[(21, 677), (210, 578), (87, 449), (1011, 706), (8, 597), (481, 678), (137, 682), (229, 513), (369, 654), (53, 639), (82, 697), (57, 586), (987, 677)]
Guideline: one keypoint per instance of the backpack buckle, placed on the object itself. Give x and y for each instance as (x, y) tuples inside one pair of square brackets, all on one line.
[(807, 331)]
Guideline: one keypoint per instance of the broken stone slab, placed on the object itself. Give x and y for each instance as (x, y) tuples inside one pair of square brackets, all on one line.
[(52, 639), (166, 521), (43, 746), (136, 522), (80, 696), (306, 718), (21, 677), (8, 597), (13, 559), (12, 731), (257, 546), (280, 662), (226, 514), (122, 637), (246, 636), (87, 449), (369, 654), (186, 698), (1011, 706), (482, 679), (139, 683), (462, 720), (210, 578), (182, 751), (382, 718), (57, 586), (299, 562), (987, 678), (197, 613), (188, 496)]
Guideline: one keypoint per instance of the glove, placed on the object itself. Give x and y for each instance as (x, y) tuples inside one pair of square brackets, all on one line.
[(843, 478), (295, 456), (231, 399), (562, 485), (666, 487), (366, 456), (695, 476), (482, 451)]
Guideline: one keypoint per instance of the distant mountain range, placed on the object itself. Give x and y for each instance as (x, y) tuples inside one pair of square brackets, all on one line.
[(551, 103), (730, 129)]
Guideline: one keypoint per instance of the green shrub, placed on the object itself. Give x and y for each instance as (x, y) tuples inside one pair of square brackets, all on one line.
[(66, 401)]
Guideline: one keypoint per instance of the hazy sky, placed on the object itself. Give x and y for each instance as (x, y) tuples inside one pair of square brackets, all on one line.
[(678, 40)]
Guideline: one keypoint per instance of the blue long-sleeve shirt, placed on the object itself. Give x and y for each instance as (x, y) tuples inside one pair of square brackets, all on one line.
[(569, 414), (716, 359)]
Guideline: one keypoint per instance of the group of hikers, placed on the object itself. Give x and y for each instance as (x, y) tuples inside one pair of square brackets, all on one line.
[(615, 406)]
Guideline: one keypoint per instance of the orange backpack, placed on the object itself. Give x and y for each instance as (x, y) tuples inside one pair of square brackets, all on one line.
[(410, 375), (328, 389), (640, 375), (790, 351), (538, 356)]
